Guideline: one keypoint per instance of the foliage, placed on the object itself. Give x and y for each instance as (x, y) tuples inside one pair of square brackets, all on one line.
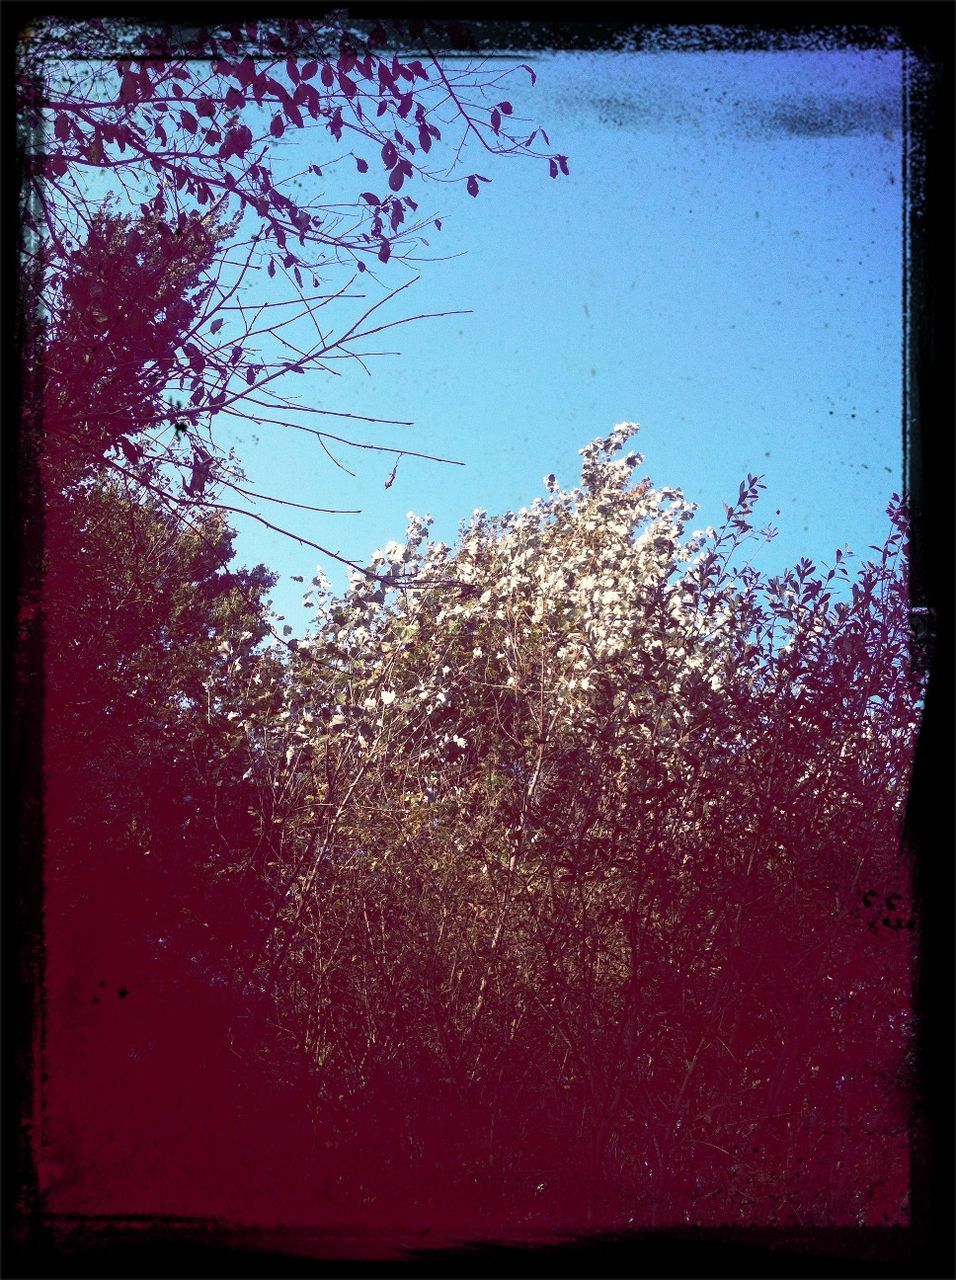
[(135, 587), (138, 607), (130, 296), (191, 130), (591, 867), (144, 807)]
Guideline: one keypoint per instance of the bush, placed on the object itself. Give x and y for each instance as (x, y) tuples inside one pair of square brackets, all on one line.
[(588, 840)]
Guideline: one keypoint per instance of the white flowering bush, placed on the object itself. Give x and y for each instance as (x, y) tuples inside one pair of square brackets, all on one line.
[(584, 839)]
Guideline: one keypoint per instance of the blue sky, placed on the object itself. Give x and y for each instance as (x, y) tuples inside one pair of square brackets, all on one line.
[(723, 265)]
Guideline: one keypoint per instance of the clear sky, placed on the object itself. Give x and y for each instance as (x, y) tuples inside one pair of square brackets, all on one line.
[(723, 265)]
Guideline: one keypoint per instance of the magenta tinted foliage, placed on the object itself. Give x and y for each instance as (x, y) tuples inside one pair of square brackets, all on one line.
[(199, 121), (179, 137)]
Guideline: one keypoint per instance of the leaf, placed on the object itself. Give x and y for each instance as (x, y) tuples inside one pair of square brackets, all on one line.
[(505, 107), (242, 139), (472, 185), (389, 155), (496, 120), (369, 198), (272, 267), (129, 88), (277, 128), (328, 75), (563, 162), (396, 178), (309, 69), (292, 70), (216, 325), (525, 67), (361, 165), (245, 72), (384, 252), (294, 114), (188, 121), (62, 128), (130, 451)]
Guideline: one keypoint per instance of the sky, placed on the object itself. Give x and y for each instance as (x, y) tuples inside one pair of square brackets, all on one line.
[(723, 265)]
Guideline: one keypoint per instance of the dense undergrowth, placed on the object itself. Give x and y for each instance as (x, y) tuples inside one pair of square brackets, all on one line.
[(554, 879)]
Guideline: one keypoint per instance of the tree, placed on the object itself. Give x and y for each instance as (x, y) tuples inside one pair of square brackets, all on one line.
[(189, 129), (596, 855), (141, 803), (129, 293), (144, 806)]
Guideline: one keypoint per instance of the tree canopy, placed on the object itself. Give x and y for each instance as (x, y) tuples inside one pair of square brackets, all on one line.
[(190, 133)]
